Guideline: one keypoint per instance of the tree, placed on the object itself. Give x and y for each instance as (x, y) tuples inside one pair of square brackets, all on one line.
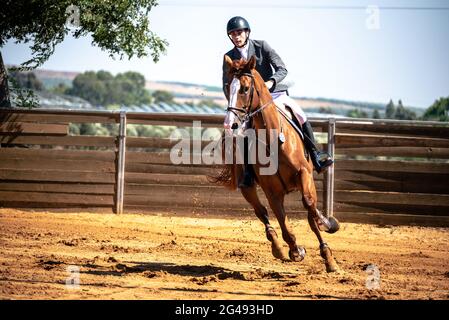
[(4, 88), (87, 129), (22, 85), (209, 103), (326, 110), (119, 27), (163, 96), (357, 113), (376, 114), (130, 89), (438, 111), (87, 86), (102, 88), (26, 80), (61, 88), (390, 110), (402, 113)]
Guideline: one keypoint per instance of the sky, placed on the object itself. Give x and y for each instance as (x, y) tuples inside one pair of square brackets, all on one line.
[(342, 49)]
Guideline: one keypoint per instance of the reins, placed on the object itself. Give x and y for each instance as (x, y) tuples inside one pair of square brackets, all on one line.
[(246, 109)]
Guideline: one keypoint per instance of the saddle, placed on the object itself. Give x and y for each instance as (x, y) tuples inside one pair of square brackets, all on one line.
[(288, 114)]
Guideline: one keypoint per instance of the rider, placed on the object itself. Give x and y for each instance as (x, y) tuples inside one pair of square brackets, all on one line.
[(267, 59)]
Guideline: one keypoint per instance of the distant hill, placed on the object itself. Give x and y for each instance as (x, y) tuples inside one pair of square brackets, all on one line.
[(51, 74), (195, 93)]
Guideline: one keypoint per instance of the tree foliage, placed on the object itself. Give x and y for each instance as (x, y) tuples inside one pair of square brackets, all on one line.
[(102, 88), (26, 80), (163, 96), (22, 85), (60, 88), (326, 110), (438, 111), (111, 129), (399, 112), (402, 113), (390, 109), (376, 114), (357, 113), (121, 27)]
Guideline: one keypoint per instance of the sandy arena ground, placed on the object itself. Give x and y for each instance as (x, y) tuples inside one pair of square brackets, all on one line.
[(135, 256)]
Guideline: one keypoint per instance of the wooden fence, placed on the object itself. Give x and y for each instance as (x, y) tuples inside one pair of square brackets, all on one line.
[(391, 172)]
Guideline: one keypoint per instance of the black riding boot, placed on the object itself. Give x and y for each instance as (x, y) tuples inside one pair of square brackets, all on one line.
[(320, 159), (247, 178)]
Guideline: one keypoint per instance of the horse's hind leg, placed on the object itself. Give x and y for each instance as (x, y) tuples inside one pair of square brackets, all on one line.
[(309, 201), (250, 194), (325, 250)]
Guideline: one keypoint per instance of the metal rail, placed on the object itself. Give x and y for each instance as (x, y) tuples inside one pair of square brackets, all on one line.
[(121, 163)]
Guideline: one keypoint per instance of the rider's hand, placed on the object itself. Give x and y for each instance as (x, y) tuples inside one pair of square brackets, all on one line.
[(269, 84)]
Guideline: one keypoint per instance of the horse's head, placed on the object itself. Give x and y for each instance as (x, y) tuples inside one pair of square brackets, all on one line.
[(240, 91)]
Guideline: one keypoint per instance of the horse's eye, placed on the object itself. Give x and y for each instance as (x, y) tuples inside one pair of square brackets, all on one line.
[(244, 90)]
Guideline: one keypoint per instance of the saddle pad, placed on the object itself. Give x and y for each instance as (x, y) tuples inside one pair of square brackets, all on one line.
[(281, 106), (287, 113)]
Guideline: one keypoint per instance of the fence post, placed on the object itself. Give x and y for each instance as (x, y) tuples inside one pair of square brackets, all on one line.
[(121, 163), (329, 205)]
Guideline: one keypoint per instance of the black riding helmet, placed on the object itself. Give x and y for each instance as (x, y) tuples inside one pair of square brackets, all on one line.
[(237, 23)]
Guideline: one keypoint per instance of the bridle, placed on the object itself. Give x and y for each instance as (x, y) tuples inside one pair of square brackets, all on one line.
[(246, 110)]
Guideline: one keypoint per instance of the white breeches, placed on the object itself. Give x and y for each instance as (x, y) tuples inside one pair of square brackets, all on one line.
[(281, 99)]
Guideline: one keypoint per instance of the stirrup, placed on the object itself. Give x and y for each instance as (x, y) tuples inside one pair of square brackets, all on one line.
[(323, 166), (324, 160), (326, 163)]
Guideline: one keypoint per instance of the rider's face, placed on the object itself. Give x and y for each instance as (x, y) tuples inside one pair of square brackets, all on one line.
[(238, 37)]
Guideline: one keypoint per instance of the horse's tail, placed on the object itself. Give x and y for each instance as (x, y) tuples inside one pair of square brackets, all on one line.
[(225, 177)]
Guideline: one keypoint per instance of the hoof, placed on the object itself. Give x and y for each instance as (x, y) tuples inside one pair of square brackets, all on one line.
[(297, 255), (334, 225), (326, 254), (329, 225), (331, 267), (276, 247), (277, 252)]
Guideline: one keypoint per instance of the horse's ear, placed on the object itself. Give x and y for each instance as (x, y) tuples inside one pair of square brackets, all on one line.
[(252, 62), (228, 60)]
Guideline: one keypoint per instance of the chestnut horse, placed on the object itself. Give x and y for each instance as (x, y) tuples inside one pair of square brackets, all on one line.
[(295, 169)]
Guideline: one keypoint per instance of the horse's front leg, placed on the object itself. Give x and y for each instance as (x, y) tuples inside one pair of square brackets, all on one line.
[(276, 200), (250, 194)]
